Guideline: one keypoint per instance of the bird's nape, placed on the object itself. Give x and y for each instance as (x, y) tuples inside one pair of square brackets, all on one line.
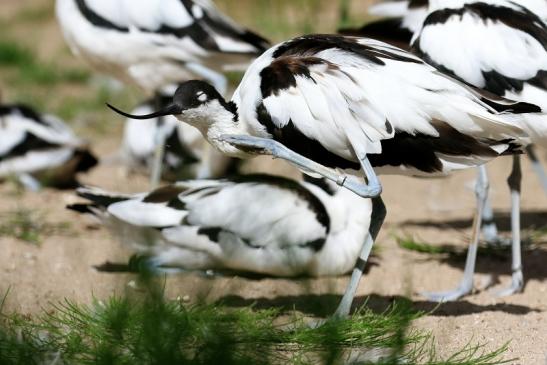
[(168, 110)]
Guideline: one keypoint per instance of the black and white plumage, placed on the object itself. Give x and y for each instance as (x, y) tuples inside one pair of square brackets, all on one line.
[(326, 96), (187, 154), (501, 47), (258, 224), (40, 149), (154, 43), (327, 101)]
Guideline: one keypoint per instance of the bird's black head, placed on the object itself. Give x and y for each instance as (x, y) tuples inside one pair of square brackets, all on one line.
[(195, 93), (189, 96)]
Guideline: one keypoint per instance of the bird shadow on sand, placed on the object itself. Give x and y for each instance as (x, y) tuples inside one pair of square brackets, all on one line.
[(530, 220), (323, 305), (494, 261)]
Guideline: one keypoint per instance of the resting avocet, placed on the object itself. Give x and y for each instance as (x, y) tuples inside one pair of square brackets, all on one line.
[(187, 154), (329, 101), (155, 43), (40, 149), (501, 47), (260, 224)]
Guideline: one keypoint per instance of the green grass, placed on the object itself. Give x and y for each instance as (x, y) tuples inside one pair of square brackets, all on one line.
[(29, 226), (13, 54), (31, 70), (453, 252), (147, 329)]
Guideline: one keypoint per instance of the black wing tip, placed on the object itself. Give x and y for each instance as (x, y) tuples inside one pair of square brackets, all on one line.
[(81, 208), (259, 42)]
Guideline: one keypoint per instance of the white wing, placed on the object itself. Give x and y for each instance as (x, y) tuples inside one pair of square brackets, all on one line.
[(262, 214), (266, 225), (355, 93), (485, 50)]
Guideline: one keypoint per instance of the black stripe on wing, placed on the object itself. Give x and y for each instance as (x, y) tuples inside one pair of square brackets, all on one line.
[(413, 4), (314, 202), (521, 20), (23, 110), (389, 30), (30, 143), (502, 105), (214, 233), (167, 194), (281, 73), (310, 45), (225, 29), (100, 199), (199, 30), (420, 151), (96, 19), (495, 82)]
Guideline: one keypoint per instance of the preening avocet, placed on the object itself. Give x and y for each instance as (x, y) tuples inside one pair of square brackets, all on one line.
[(501, 47), (187, 154), (154, 43), (328, 101), (256, 223), (40, 149)]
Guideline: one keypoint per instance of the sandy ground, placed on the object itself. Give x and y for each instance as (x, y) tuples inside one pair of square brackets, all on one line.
[(436, 211)]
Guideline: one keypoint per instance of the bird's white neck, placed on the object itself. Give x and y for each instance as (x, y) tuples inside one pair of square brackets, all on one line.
[(213, 120)]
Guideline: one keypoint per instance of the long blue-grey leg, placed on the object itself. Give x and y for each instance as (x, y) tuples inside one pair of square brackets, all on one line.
[(159, 147), (371, 189), (489, 228), (538, 168), (490, 232), (217, 79), (376, 220), (517, 278), (466, 285)]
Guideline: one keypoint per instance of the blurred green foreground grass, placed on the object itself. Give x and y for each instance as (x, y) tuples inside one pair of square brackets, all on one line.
[(145, 328)]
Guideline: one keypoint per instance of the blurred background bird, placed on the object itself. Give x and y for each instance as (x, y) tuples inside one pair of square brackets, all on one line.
[(154, 44), (40, 149)]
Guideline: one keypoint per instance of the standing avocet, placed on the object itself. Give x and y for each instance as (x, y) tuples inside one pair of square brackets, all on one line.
[(501, 47), (325, 101), (259, 224), (154, 43), (40, 149)]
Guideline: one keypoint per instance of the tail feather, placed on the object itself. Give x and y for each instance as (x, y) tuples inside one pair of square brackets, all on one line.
[(99, 197)]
